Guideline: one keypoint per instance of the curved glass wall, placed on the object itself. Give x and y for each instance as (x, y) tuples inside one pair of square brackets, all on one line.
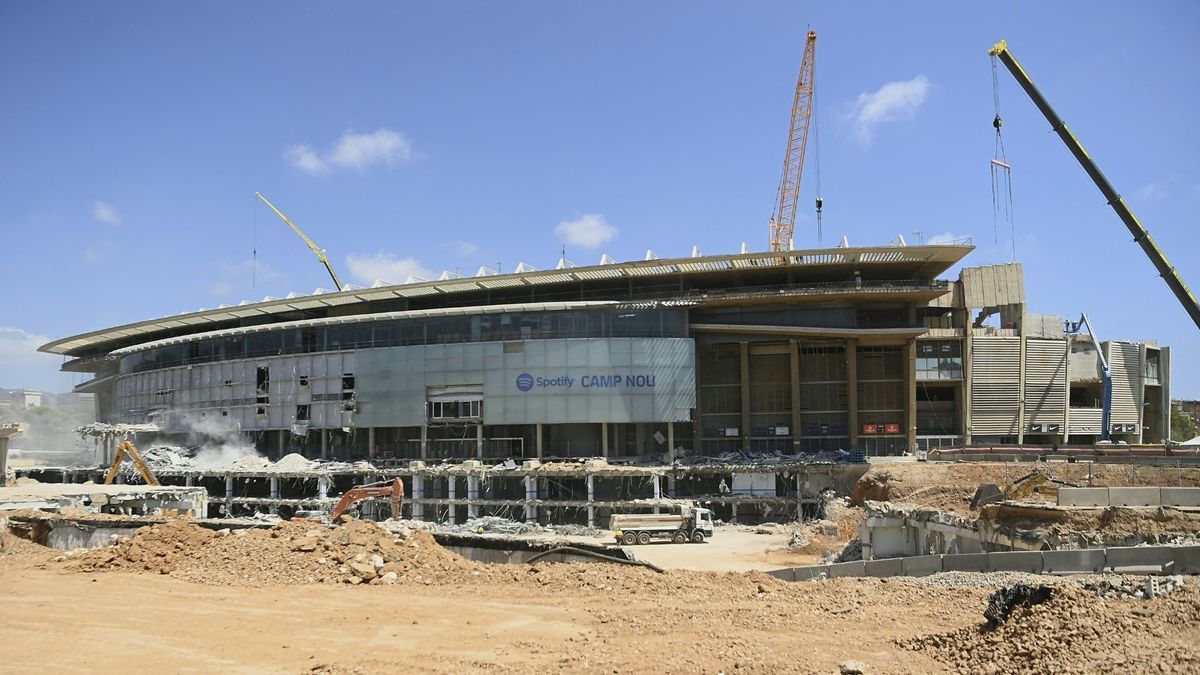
[(532, 325)]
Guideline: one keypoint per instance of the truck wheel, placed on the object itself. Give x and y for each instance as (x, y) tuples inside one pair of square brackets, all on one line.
[(629, 539), (679, 538), (643, 538), (697, 537)]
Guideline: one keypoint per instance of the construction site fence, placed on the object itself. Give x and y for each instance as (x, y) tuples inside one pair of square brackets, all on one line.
[(1132, 559)]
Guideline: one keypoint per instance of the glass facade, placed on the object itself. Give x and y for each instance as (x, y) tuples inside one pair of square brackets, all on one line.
[(939, 360), (419, 331)]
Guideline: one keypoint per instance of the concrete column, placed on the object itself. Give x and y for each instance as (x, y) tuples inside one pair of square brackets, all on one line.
[(531, 495), (794, 362), (324, 444), (418, 497), (966, 388), (371, 442), (744, 377), (228, 495), (472, 495), (671, 486), (323, 485), (910, 404), (591, 497), (537, 441), (852, 390), (657, 491), (1021, 389), (424, 441), (479, 440), (187, 480), (604, 439), (670, 442), (452, 494), (274, 508), (799, 498), (281, 443)]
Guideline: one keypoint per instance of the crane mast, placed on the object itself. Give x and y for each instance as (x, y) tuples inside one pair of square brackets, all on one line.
[(312, 245), (1140, 235), (783, 220)]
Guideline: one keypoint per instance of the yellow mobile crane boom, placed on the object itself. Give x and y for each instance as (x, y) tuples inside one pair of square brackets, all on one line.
[(783, 220), (1140, 235), (312, 245)]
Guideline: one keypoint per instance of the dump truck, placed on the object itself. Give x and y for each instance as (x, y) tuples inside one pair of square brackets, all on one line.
[(692, 523)]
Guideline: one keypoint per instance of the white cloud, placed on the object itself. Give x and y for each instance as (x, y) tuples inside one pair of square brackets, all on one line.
[(466, 248), (353, 151), (891, 102), (947, 238), (1152, 192), (304, 158), (358, 151), (367, 269), (106, 213), (22, 365), (589, 230)]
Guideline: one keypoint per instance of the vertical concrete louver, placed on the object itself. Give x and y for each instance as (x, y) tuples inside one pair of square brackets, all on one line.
[(995, 386), (1125, 360), (1045, 383)]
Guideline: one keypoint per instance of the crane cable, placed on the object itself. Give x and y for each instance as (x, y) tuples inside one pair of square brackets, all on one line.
[(1001, 172), (816, 122)]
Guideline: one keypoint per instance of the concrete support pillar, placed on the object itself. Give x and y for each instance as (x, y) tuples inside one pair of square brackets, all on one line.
[(371, 453), (1021, 389), (228, 489), (479, 440), (323, 485), (657, 485), (324, 444), (274, 508), (187, 480), (418, 497), (852, 391), (671, 443), (472, 495), (965, 405), (799, 497), (604, 439), (910, 395), (281, 443), (744, 377), (531, 495), (537, 440), (671, 486), (452, 494), (591, 497), (794, 361), (424, 441)]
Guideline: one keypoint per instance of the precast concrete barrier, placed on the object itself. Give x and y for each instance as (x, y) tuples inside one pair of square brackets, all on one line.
[(1129, 496), (1145, 559)]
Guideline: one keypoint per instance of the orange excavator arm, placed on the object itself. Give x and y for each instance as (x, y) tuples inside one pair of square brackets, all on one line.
[(354, 495)]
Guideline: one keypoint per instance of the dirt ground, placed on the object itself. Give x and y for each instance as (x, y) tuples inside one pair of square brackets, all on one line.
[(296, 599)]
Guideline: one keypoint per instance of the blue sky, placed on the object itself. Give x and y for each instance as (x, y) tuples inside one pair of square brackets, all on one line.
[(412, 138)]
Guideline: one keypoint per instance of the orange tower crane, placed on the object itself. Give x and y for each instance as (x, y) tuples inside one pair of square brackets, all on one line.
[(783, 220)]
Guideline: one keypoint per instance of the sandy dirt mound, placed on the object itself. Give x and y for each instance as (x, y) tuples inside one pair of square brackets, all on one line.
[(1076, 632), (288, 553)]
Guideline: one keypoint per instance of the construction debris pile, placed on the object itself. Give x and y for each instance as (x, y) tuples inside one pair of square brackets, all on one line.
[(1073, 630), (748, 458), (288, 553)]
